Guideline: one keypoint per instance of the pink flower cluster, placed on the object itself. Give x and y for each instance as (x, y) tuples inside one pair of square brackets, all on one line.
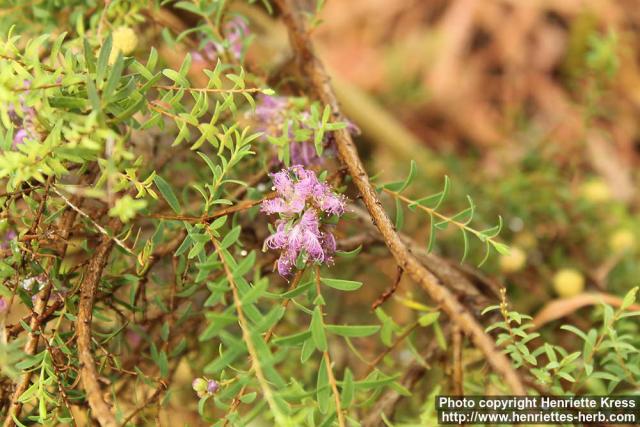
[(271, 114), (302, 203), (25, 123), (235, 32)]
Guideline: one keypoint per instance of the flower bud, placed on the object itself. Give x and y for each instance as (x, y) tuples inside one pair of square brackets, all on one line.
[(125, 41), (595, 191), (568, 282), (212, 386), (622, 241), (513, 261), (199, 385)]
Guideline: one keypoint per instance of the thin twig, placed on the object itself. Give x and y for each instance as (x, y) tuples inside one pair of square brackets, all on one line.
[(267, 337), (327, 361), (246, 334), (100, 228), (389, 291)]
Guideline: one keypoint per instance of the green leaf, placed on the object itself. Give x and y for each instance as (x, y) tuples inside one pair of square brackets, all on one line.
[(167, 193), (428, 319), (176, 77), (629, 298), (575, 330), (323, 390), (249, 397), (342, 285), (399, 215), (317, 330), (348, 389), (353, 330), (291, 340), (103, 59), (231, 237)]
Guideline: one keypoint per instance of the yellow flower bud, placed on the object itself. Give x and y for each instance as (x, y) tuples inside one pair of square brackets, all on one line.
[(513, 261), (568, 282), (125, 41), (596, 191), (622, 240)]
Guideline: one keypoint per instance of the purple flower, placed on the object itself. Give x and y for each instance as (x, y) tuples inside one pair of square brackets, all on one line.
[(275, 113), (133, 339), (7, 238), (24, 122), (3, 304), (19, 137), (212, 386), (209, 52), (302, 202), (298, 188), (235, 31), (204, 387), (304, 153), (270, 112)]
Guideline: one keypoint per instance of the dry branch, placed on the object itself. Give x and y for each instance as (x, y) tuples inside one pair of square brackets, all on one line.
[(88, 288)]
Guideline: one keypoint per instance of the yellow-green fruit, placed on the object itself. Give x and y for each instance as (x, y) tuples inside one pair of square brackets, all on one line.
[(513, 261), (568, 282), (124, 40), (622, 240), (596, 191)]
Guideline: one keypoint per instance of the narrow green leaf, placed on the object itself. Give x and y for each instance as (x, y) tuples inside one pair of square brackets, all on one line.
[(231, 237), (348, 388), (317, 330), (342, 285), (352, 330), (103, 59), (167, 193)]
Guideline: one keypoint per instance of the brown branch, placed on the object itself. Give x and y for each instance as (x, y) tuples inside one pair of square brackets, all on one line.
[(471, 291), (88, 288), (320, 82), (40, 309)]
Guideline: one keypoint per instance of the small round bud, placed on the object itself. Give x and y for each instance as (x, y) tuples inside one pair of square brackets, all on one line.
[(622, 241), (212, 386), (125, 41), (513, 261), (568, 282), (595, 191), (199, 385)]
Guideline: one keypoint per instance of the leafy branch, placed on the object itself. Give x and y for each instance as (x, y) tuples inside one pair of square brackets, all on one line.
[(439, 221)]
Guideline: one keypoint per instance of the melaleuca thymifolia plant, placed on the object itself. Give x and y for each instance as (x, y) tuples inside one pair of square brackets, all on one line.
[(201, 224)]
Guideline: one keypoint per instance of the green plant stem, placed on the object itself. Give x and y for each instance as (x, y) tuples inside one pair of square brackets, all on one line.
[(327, 361), (246, 334)]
